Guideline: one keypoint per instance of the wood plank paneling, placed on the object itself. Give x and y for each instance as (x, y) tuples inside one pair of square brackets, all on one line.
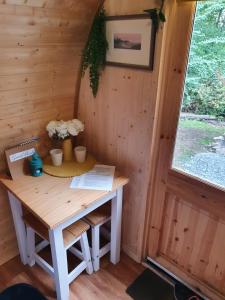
[(126, 7), (119, 124), (171, 86), (21, 61), (40, 52), (193, 240), (186, 215)]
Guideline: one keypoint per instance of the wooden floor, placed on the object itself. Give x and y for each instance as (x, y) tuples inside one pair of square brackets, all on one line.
[(109, 283)]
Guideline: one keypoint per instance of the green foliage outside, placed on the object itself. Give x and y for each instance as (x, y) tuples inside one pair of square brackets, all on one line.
[(205, 81), (204, 126)]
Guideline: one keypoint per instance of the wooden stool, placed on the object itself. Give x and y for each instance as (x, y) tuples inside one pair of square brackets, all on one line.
[(96, 219), (71, 235)]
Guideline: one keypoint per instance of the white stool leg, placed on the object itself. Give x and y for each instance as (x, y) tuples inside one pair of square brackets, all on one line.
[(95, 235), (31, 246), (86, 252)]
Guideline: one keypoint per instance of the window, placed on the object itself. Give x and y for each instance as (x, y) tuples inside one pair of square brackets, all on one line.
[(200, 141)]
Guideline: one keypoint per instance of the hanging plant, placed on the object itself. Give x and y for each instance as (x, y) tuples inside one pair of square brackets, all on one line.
[(94, 53), (157, 15)]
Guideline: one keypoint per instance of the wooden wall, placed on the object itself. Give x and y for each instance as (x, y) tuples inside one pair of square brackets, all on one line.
[(192, 240), (186, 215), (40, 48), (119, 125)]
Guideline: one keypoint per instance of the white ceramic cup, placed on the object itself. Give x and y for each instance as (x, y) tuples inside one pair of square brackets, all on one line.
[(56, 155), (80, 153)]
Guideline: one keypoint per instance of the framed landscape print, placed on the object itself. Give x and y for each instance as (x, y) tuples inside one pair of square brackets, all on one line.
[(131, 41)]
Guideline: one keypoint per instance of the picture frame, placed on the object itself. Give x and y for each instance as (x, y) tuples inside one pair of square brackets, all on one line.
[(131, 40)]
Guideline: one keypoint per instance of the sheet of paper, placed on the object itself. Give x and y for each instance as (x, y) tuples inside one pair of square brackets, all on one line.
[(99, 178)]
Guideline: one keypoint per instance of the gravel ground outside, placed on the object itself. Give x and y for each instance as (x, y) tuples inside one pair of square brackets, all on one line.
[(192, 153), (209, 166)]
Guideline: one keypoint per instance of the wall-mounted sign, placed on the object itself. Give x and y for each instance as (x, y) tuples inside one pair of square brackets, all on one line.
[(17, 157)]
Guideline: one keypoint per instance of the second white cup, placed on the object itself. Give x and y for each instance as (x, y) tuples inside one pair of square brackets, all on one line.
[(56, 155), (80, 153)]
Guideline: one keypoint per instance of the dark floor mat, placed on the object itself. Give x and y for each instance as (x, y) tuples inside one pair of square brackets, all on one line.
[(149, 286), (183, 293), (21, 291)]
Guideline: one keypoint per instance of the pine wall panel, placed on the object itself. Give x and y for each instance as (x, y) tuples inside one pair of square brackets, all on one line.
[(119, 126), (40, 51)]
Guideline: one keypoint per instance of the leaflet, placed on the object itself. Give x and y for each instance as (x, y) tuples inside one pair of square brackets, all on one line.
[(99, 178)]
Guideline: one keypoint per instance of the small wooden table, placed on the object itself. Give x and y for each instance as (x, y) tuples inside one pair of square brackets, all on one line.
[(57, 205)]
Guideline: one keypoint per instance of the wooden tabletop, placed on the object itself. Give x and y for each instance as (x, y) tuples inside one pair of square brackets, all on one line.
[(51, 199)]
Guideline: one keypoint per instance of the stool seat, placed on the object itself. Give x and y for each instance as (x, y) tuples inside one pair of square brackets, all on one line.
[(99, 215), (61, 242), (70, 234)]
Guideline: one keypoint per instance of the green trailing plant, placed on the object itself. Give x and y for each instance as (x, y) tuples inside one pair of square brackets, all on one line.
[(94, 53), (157, 15)]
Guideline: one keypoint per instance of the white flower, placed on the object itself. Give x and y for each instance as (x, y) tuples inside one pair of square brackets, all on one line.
[(75, 126), (72, 129), (51, 133), (51, 126), (78, 124), (62, 129)]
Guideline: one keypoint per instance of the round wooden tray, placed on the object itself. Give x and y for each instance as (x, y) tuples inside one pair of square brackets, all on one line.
[(68, 168)]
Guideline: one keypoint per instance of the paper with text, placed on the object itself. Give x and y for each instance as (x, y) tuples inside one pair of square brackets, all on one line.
[(99, 178)]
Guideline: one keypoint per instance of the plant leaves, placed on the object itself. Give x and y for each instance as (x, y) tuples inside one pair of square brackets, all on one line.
[(162, 16), (94, 53), (156, 15)]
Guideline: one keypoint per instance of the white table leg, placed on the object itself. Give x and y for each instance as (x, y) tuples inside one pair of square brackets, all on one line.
[(30, 246), (59, 259), (116, 218), (20, 229)]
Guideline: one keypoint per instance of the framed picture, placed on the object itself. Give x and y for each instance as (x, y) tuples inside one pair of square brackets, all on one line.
[(131, 41)]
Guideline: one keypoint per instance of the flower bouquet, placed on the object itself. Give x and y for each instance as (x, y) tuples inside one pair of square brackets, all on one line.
[(63, 130)]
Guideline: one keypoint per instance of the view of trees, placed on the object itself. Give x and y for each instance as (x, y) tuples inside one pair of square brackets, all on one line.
[(205, 81)]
